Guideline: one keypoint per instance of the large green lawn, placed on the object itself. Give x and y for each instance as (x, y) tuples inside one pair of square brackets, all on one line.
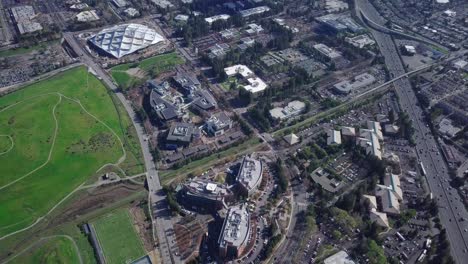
[(44, 120), (118, 237), (151, 66), (56, 250)]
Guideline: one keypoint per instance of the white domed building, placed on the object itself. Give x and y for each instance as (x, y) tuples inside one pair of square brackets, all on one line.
[(121, 40)]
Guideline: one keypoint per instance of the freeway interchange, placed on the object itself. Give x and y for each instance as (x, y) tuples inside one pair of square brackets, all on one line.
[(451, 209)]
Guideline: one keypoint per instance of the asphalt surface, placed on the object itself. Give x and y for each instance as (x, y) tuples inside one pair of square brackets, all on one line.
[(162, 216), (451, 208)]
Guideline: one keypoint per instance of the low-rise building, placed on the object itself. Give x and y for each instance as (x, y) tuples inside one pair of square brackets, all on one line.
[(218, 124), (294, 108), (203, 100), (250, 175), (235, 232), (348, 132), (393, 182), (131, 12), (255, 84), (360, 41), (254, 11), (253, 29), (181, 134), (333, 137), (325, 180), (291, 139), (370, 142), (339, 258), (375, 216), (87, 16), (164, 109), (447, 128), (388, 198), (375, 126), (209, 195), (212, 19), (358, 82), (23, 17), (186, 82)]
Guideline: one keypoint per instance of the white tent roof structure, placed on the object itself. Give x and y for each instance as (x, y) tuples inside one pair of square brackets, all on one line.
[(121, 40)]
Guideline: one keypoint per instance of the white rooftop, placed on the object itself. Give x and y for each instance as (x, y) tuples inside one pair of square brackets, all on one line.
[(236, 228), (255, 84), (250, 173), (125, 39), (339, 258)]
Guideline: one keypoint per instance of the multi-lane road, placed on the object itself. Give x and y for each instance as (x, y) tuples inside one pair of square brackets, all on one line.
[(162, 223), (451, 208)]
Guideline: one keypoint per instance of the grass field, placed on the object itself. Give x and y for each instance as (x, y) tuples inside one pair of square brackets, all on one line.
[(52, 250), (64, 129), (154, 65), (118, 237)]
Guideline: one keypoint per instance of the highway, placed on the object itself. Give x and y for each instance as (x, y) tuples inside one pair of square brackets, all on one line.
[(451, 208), (162, 223)]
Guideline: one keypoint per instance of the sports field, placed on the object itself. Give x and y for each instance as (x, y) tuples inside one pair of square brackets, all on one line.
[(52, 250), (151, 66), (61, 132), (118, 237)]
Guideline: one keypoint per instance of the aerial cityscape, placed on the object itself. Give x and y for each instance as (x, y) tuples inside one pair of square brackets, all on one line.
[(234, 131)]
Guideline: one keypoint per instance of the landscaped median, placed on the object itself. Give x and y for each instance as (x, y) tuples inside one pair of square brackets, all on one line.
[(132, 74), (200, 165)]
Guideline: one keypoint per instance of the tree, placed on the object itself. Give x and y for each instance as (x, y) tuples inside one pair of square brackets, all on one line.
[(375, 253)]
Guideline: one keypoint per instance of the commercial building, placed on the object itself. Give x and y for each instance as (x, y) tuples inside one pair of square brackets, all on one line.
[(208, 195), (340, 23), (120, 3), (218, 124), (79, 6), (325, 180), (255, 84), (447, 128), (124, 39), (360, 41), (250, 175), (294, 108), (348, 132), (181, 134), (212, 19), (393, 182), (339, 258), (333, 137), (186, 82), (23, 17), (389, 200), (376, 128), (131, 12), (358, 82), (164, 109), (203, 100), (370, 142), (254, 11), (235, 232), (253, 29), (329, 55), (87, 16), (380, 218)]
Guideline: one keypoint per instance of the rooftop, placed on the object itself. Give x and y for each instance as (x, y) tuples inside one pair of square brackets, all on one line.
[(212, 19), (254, 11), (250, 173), (124, 39), (339, 258), (333, 137), (236, 228), (255, 84), (292, 109), (182, 132), (327, 51)]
